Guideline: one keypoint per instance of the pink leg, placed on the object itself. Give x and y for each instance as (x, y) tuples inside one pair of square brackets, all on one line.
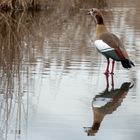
[(107, 68), (113, 64), (112, 81), (107, 82)]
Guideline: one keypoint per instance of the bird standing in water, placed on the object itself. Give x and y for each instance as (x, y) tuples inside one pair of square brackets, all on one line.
[(109, 44)]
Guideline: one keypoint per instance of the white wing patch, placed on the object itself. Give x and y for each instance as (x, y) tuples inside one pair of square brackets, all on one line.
[(100, 101), (102, 46)]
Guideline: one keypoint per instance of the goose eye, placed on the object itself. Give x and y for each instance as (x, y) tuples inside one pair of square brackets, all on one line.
[(94, 10)]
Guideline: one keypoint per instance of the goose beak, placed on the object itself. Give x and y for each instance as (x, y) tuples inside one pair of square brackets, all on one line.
[(92, 12), (89, 12)]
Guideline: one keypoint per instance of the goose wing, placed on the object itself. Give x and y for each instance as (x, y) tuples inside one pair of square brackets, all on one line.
[(114, 42)]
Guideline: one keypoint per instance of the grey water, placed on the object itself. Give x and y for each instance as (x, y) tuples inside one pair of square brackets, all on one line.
[(52, 82)]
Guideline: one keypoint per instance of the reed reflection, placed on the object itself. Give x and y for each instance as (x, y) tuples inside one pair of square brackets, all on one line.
[(30, 45), (106, 103), (15, 74)]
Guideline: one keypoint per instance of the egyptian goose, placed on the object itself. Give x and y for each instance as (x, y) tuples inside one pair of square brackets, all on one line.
[(109, 44)]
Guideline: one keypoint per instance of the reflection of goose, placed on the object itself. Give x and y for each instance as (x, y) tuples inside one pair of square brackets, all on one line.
[(109, 44), (105, 103)]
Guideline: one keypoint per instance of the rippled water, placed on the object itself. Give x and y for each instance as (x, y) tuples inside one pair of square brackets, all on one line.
[(52, 83)]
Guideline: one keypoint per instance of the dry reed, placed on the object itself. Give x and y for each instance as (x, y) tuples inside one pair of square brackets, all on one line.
[(44, 4), (6, 5)]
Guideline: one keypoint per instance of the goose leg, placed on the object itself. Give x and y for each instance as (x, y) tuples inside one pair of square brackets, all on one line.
[(113, 64), (107, 67), (107, 82), (112, 81)]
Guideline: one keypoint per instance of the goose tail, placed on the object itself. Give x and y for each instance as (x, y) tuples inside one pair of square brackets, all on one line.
[(126, 63)]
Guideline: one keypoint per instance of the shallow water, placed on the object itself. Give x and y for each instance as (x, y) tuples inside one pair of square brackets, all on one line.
[(52, 83)]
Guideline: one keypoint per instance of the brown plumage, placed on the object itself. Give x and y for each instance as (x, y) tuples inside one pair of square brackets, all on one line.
[(109, 44)]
